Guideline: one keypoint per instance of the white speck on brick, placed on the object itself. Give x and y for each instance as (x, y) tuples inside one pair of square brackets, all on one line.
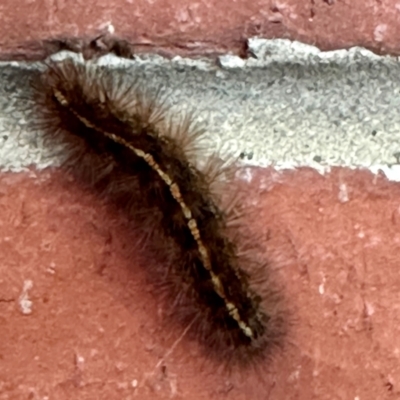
[(111, 28), (79, 360), (295, 375), (321, 289), (379, 32), (343, 193), (24, 302), (52, 268), (369, 308)]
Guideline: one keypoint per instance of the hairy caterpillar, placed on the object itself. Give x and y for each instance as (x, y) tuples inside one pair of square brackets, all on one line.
[(123, 145)]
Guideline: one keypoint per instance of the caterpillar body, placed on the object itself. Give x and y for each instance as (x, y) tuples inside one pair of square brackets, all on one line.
[(122, 144)]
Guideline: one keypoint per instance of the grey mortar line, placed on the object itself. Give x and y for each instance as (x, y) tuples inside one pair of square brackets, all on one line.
[(291, 106)]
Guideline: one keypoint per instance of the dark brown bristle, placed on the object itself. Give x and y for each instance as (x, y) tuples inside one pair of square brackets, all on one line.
[(121, 143)]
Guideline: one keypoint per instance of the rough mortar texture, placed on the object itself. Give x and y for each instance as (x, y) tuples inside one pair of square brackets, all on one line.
[(291, 106)]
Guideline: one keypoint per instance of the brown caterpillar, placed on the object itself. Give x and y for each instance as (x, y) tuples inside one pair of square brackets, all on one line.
[(122, 144)]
